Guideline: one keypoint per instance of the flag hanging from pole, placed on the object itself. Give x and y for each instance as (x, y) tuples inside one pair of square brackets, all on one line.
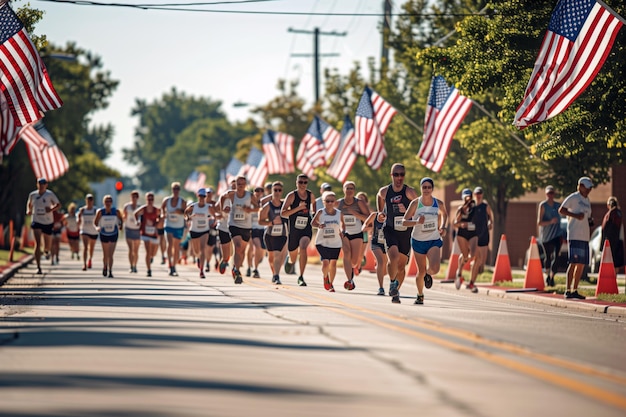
[(195, 181), (312, 150), (444, 114), (346, 156), (24, 80), (256, 165), (46, 158), (579, 38), (8, 130), (278, 149), (234, 168), (373, 116), (222, 185)]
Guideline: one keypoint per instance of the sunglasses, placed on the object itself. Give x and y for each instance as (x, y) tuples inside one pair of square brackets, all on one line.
[(278, 190), (150, 198), (427, 187), (303, 182), (329, 201), (398, 174), (176, 188)]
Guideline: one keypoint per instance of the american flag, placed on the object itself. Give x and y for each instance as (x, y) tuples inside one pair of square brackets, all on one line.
[(234, 168), (24, 79), (195, 181), (8, 130), (256, 165), (222, 185), (331, 137), (373, 116), (312, 150), (445, 111), (285, 144), (346, 156), (579, 38), (46, 158)]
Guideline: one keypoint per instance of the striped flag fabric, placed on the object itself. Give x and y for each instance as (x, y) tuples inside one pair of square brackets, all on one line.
[(373, 116), (46, 158), (278, 148), (346, 155), (331, 137), (285, 144), (234, 168), (312, 149), (9, 132), (222, 184), (195, 181), (24, 79), (579, 38), (256, 167), (444, 114)]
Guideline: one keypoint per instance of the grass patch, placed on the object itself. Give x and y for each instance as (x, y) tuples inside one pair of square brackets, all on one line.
[(613, 298)]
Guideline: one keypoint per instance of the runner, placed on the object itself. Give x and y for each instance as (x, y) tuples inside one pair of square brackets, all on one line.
[(108, 222), (378, 248), (73, 231), (239, 205), (199, 214), (366, 236), (131, 230), (88, 232), (41, 204), (148, 216), (276, 231), (330, 224), (222, 227), (466, 233), (483, 219), (173, 208), (298, 207), (57, 230), (212, 239), (392, 201), (429, 218), (354, 212), (256, 246)]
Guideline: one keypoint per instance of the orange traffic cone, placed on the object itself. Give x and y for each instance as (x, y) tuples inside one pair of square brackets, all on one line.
[(412, 271), (502, 271), (370, 261), (453, 262), (607, 278), (534, 271)]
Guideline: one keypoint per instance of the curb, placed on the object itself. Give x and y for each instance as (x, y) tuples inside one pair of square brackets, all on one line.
[(6, 274)]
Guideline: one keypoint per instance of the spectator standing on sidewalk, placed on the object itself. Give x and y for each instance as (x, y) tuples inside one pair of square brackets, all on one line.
[(41, 205), (549, 222), (577, 208), (611, 230)]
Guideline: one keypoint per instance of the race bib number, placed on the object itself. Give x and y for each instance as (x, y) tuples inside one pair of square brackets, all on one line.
[(173, 217), (201, 223), (349, 220), (301, 222), (397, 224), (108, 225), (150, 230), (40, 211), (328, 233), (277, 230), (381, 236), (429, 226), (471, 226), (239, 214)]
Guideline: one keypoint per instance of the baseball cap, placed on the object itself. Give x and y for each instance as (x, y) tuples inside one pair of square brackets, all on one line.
[(586, 182), (326, 186), (466, 192), (89, 196), (42, 181), (478, 190), (550, 189), (208, 190), (202, 192)]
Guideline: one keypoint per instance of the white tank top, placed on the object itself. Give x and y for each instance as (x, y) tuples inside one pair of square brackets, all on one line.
[(199, 218), (238, 216), (130, 222), (430, 229), (86, 225), (329, 235), (173, 219), (72, 223)]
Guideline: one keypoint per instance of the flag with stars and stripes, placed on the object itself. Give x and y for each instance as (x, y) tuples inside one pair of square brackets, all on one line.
[(579, 38), (195, 181), (46, 158), (278, 149), (256, 167), (312, 151), (346, 156), (445, 111), (373, 116)]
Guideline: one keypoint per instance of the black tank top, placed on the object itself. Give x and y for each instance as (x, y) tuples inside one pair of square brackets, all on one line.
[(392, 201), (302, 214)]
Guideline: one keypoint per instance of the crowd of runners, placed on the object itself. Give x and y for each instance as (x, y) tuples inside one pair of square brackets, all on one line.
[(244, 226)]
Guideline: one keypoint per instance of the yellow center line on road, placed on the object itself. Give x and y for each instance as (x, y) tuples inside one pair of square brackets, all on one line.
[(577, 386)]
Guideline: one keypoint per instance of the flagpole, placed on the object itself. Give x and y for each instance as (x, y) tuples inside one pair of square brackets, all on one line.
[(613, 12), (411, 122), (513, 135)]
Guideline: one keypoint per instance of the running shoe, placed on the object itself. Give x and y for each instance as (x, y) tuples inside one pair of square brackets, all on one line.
[(162, 260), (356, 271), (149, 273), (255, 274), (395, 299), (428, 281), (84, 267), (381, 291), (458, 280), (89, 264), (202, 274), (301, 281), (419, 299), (576, 295), (349, 285), (207, 268), (39, 271), (289, 267), (110, 274), (174, 273), (276, 280), (472, 287), (327, 284), (331, 289), (248, 272), (223, 266), (238, 278), (104, 271), (393, 288)]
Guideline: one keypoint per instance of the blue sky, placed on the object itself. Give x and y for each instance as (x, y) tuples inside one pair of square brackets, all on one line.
[(225, 56)]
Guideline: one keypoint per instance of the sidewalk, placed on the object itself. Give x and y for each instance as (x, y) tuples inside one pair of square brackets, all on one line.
[(591, 304)]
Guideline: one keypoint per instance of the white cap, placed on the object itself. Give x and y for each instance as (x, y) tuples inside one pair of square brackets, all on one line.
[(586, 182)]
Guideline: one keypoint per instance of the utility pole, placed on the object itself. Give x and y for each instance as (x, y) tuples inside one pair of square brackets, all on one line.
[(384, 55), (316, 54)]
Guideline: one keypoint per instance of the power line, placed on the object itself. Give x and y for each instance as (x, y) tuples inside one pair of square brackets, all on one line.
[(170, 7)]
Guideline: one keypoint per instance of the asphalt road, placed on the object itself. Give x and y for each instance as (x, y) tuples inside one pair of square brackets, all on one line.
[(74, 343)]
